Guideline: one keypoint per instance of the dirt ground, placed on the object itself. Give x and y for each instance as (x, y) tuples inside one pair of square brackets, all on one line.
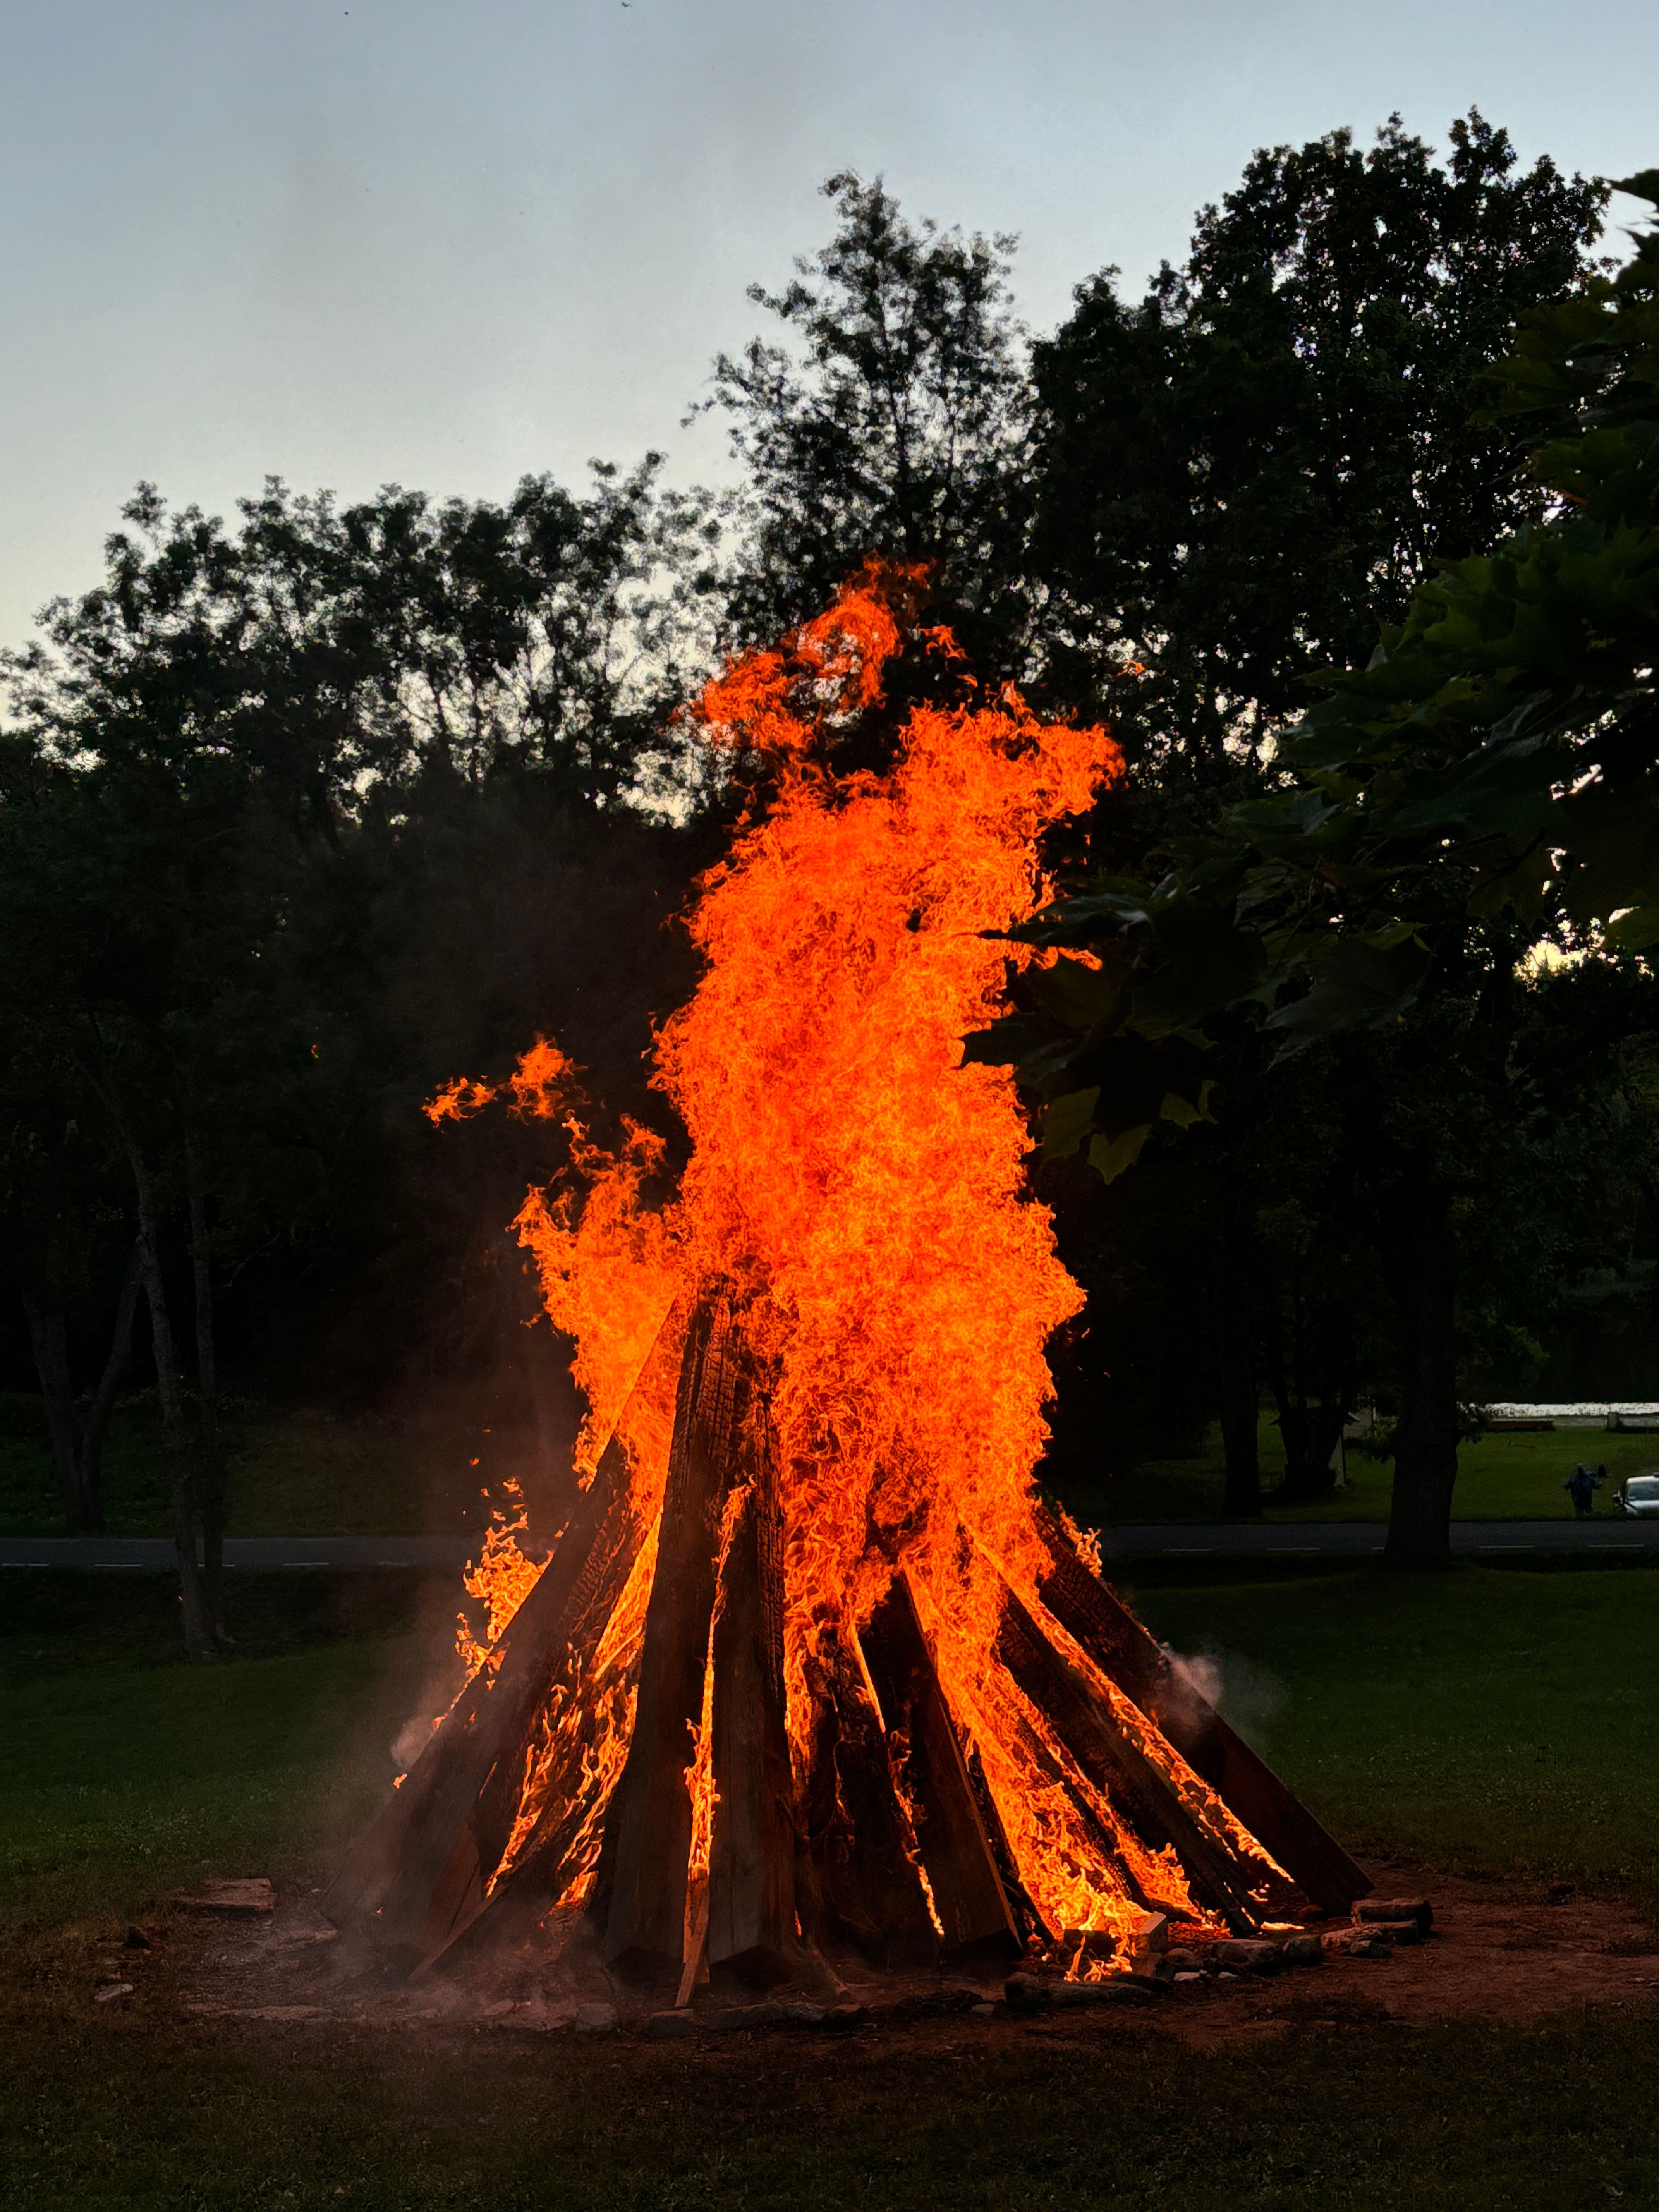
[(1500, 1953)]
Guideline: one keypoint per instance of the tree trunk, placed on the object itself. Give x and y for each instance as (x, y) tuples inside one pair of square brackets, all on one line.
[(199, 1641), (1417, 1248), (90, 1451), (209, 1450), (45, 1312)]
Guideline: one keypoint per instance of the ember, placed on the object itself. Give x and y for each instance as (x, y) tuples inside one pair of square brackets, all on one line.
[(808, 1663)]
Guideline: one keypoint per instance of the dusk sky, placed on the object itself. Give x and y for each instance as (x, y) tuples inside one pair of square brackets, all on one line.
[(445, 245)]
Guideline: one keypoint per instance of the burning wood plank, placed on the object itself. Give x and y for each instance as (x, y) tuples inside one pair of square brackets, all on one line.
[(955, 1852), (1108, 1755), (861, 1878), (407, 1861), (642, 1869), (1129, 1656), (751, 1903)]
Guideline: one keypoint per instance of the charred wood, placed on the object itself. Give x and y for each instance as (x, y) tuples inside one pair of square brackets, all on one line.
[(1116, 1764), (1129, 1656), (955, 1852), (417, 1860), (863, 1881), (641, 1894), (750, 1908)]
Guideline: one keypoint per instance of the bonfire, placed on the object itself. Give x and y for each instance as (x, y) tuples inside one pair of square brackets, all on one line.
[(810, 1669)]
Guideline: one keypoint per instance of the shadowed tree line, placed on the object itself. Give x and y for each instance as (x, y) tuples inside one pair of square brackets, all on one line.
[(304, 814)]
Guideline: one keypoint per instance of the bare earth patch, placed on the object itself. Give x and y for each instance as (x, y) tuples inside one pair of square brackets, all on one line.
[(1501, 1952)]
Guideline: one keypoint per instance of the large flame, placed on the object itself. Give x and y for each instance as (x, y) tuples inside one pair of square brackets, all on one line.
[(861, 1194)]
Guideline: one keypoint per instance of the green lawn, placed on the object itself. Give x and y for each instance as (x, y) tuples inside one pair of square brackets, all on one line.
[(300, 1474), (1514, 1476), (1500, 1716), (291, 1474)]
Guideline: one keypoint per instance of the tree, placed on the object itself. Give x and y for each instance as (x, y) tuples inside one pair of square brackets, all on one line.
[(1242, 477), (900, 427), (1487, 781), (227, 750)]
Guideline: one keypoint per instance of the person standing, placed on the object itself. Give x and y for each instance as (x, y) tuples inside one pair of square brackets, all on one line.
[(1581, 1486)]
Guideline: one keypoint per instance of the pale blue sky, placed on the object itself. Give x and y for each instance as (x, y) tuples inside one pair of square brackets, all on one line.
[(444, 244)]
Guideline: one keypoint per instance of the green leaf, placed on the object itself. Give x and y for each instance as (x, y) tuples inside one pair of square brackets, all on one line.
[(1111, 1156), (1355, 985), (1066, 1122), (1183, 1112), (1076, 994)]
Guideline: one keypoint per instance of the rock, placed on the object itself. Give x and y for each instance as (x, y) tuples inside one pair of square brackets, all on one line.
[(109, 1991), (1183, 1961), (135, 1940), (1246, 1955), (1302, 1951), (1118, 1989), (1027, 1993), (841, 2018), (1360, 1943), (594, 2019), (1226, 1975), (669, 2026), (1416, 1909), (498, 2010), (803, 2014), (239, 1900), (983, 2011), (1187, 1974)]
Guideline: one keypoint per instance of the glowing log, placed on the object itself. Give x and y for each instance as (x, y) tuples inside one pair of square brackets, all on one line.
[(1105, 1628), (751, 1870), (647, 1842), (861, 1877), (1106, 1753), (418, 1859), (969, 1899)]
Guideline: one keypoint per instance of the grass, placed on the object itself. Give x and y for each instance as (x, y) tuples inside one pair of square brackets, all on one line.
[(310, 1474), (1497, 1716), (127, 1772), (291, 1474), (1503, 1476), (1495, 1720)]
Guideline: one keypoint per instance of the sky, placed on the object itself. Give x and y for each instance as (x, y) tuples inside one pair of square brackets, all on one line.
[(447, 245)]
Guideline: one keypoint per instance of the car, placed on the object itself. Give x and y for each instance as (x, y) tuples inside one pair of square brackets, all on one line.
[(1639, 1494)]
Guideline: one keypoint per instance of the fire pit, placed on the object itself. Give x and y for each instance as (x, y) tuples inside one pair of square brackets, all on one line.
[(810, 1673)]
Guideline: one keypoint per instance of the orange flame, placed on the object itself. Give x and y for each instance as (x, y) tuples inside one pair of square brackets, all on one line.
[(502, 1577), (861, 1194)]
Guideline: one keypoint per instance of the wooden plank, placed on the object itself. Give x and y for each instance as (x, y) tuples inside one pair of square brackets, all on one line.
[(393, 1873), (1137, 1786), (1127, 1654), (647, 1841), (509, 1913), (955, 1852), (750, 1902), (865, 1884), (463, 1891)]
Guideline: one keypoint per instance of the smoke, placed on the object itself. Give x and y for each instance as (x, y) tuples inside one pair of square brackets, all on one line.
[(412, 1740), (1248, 1696)]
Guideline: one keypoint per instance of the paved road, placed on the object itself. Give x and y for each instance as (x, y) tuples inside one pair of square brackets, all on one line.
[(1306, 1539), (1332, 1538)]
